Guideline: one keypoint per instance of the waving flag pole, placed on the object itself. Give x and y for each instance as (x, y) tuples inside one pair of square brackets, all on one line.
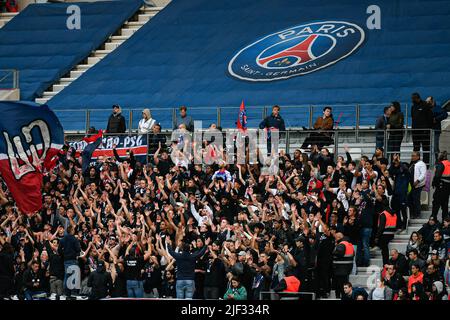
[(31, 137)]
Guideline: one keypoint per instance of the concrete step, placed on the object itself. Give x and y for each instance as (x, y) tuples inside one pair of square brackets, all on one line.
[(414, 228), (134, 24), (58, 87), (151, 9), (128, 32), (10, 14), (418, 221), (146, 16), (41, 100), (94, 60), (100, 53), (49, 94), (118, 38), (112, 45), (76, 73), (67, 81), (83, 67)]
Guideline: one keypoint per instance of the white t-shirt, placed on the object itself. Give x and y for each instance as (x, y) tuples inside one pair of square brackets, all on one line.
[(342, 197)]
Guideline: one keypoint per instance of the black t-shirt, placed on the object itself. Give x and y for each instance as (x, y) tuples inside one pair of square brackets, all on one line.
[(164, 166), (133, 267), (152, 277)]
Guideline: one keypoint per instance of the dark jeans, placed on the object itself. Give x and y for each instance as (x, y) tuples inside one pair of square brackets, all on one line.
[(400, 208), (384, 246), (394, 142), (317, 138), (6, 286), (339, 285), (414, 202), (437, 135), (29, 294), (363, 248), (422, 138), (440, 200), (211, 293), (324, 271)]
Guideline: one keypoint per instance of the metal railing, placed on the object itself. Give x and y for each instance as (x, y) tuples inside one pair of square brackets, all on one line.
[(353, 116), (9, 79), (362, 141)]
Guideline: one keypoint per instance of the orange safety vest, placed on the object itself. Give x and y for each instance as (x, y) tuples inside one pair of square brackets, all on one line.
[(292, 284), (446, 173), (348, 255), (391, 222)]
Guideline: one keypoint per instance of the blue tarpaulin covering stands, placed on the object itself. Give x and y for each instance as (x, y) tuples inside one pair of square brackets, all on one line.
[(39, 44), (203, 53)]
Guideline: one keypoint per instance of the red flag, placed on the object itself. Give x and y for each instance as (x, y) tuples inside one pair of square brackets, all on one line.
[(32, 137), (242, 118)]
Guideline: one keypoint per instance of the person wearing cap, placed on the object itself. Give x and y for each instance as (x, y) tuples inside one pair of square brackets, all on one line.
[(428, 229), (438, 246), (116, 121), (183, 118)]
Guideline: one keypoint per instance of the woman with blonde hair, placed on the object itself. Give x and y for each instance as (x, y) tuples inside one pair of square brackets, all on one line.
[(146, 123)]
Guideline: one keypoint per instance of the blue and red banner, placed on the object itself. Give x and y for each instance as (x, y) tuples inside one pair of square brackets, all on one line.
[(123, 144), (242, 118), (31, 137)]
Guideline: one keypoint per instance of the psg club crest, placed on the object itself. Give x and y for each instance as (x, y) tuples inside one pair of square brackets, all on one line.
[(296, 51)]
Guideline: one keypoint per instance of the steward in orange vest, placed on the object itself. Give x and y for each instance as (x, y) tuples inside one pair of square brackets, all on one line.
[(343, 255), (387, 224), (441, 183), (290, 283)]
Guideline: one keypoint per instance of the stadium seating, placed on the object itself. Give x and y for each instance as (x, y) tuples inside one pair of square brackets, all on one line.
[(182, 57), (38, 43)]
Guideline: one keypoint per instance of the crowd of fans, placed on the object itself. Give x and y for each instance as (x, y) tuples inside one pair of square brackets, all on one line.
[(185, 230)]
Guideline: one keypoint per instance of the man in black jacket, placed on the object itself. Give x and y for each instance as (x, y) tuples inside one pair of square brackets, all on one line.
[(101, 282), (400, 262), (69, 249), (34, 281), (422, 122), (116, 121), (274, 122), (393, 279)]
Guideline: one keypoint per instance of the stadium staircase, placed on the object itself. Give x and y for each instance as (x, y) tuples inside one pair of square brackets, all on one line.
[(126, 31), (5, 17), (366, 276)]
